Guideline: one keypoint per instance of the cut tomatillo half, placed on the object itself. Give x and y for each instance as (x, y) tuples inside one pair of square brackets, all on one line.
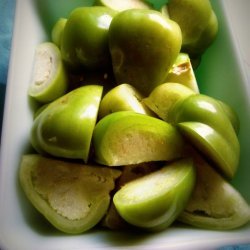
[(84, 42), (49, 78), (232, 116), (64, 128), (214, 204), (154, 201), (164, 97), (121, 5), (72, 197), (203, 121), (213, 145), (123, 97), (126, 137), (57, 31), (143, 44), (182, 72)]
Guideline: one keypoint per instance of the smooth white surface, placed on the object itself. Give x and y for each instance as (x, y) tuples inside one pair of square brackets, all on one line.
[(19, 223)]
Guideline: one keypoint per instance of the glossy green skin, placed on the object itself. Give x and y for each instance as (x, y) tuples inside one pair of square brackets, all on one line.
[(191, 15), (206, 38), (164, 97), (126, 137), (154, 201), (64, 128), (143, 44), (197, 21), (57, 31), (215, 204), (202, 119), (85, 38), (72, 197)]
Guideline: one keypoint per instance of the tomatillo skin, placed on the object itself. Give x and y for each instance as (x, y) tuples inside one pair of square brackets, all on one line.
[(154, 201), (85, 38), (126, 137), (64, 128), (73, 197), (203, 121), (214, 204), (144, 44)]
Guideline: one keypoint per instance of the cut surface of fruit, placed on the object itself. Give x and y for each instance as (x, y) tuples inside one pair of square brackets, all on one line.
[(126, 137), (72, 197), (64, 128)]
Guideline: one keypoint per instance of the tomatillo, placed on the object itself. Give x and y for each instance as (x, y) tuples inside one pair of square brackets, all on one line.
[(155, 200), (72, 197), (85, 37), (214, 204), (203, 121), (64, 128), (144, 44)]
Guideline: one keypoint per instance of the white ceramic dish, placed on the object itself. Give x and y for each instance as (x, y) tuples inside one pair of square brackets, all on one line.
[(221, 75)]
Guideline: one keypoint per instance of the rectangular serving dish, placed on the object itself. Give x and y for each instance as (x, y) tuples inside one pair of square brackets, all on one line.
[(221, 75)]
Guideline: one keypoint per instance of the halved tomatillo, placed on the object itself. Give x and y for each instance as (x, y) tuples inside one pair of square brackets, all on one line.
[(49, 78), (72, 197), (214, 204), (154, 201), (126, 137)]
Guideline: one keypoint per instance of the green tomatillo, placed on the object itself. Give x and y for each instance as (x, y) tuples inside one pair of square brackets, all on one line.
[(154, 201), (203, 121), (214, 204), (143, 45), (126, 137), (85, 37), (73, 197), (64, 128)]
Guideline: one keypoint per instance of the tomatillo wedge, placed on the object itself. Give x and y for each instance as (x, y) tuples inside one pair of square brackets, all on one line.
[(85, 38), (49, 78), (123, 97), (214, 204), (64, 128), (164, 97), (154, 201), (203, 121), (121, 5), (57, 31), (232, 116), (212, 144), (143, 45), (197, 21), (126, 137), (72, 197), (182, 72)]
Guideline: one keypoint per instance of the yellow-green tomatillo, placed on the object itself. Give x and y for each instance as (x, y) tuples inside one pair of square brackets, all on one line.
[(123, 97), (121, 5), (126, 137), (203, 121), (182, 72), (214, 204), (198, 24), (64, 128), (164, 97), (57, 31), (49, 78), (72, 197), (143, 45), (154, 201), (85, 38)]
